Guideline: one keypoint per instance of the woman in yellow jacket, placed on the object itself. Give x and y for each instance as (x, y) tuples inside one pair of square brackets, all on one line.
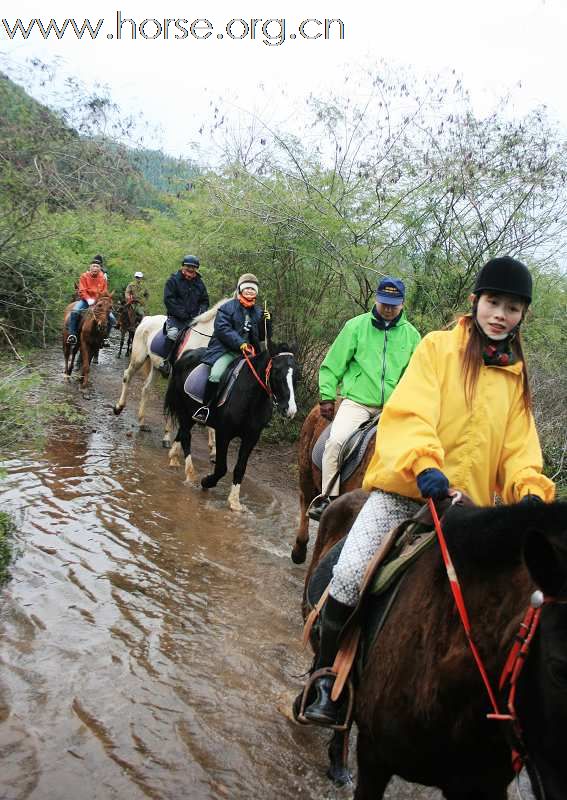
[(460, 417)]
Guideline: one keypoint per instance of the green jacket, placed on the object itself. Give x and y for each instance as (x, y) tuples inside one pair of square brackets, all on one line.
[(366, 362)]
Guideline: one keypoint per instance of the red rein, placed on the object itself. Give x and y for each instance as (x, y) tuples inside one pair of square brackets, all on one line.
[(518, 653), (265, 386)]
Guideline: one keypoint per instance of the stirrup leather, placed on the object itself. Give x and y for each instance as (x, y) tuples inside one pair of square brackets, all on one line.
[(323, 673)]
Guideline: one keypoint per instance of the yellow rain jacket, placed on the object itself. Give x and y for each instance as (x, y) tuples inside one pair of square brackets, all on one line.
[(487, 449)]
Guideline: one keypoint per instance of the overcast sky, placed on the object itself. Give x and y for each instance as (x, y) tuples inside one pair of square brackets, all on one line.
[(497, 46)]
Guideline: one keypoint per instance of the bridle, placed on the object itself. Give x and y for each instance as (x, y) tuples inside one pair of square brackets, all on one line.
[(514, 663), (265, 384), (100, 323)]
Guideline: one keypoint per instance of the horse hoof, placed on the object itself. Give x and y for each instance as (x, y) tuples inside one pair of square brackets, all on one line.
[(298, 554), (117, 410), (340, 776), (166, 443), (208, 482)]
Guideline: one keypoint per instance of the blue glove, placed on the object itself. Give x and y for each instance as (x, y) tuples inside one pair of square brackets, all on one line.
[(531, 500), (432, 483)]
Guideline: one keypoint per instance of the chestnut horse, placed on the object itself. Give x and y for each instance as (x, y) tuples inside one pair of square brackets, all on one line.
[(421, 706), (128, 321), (310, 477), (92, 333)]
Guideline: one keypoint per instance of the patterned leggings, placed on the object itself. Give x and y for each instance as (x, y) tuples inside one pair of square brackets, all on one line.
[(381, 512)]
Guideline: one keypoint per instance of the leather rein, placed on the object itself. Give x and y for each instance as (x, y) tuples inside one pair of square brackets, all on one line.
[(516, 657)]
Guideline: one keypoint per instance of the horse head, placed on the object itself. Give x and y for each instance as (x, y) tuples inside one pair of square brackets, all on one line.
[(542, 689), (101, 311), (283, 379)]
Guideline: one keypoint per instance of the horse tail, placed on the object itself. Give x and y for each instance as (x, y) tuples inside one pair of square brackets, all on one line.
[(171, 404)]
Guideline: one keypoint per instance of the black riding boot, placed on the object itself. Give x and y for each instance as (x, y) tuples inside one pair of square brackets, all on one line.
[(202, 414), (323, 710)]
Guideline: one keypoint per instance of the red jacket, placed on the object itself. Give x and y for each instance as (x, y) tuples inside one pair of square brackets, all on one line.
[(90, 288)]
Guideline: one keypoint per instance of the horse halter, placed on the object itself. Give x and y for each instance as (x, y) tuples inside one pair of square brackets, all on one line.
[(513, 665), (100, 323), (265, 384)]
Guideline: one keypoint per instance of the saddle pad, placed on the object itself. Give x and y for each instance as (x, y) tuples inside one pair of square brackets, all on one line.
[(196, 381), (233, 373), (392, 568), (160, 344), (358, 442)]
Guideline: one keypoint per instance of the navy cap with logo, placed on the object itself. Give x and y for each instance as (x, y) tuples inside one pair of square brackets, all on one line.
[(391, 291)]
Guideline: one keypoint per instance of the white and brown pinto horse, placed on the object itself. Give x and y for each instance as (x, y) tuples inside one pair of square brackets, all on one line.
[(198, 335)]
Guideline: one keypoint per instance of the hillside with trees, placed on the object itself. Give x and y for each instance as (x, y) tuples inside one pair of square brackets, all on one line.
[(407, 180)]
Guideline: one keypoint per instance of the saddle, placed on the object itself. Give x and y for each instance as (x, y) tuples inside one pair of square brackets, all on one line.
[(353, 450), (196, 380), (382, 581), (161, 345)]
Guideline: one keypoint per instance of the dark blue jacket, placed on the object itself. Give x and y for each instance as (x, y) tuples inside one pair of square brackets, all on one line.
[(185, 299), (231, 330)]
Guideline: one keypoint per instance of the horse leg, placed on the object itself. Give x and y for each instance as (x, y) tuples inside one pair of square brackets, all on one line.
[(212, 445), (299, 550), (183, 438), (86, 359), (142, 407), (220, 464), (174, 454), (121, 343), (247, 444), (129, 372), (129, 343), (338, 770), (166, 441), (373, 777)]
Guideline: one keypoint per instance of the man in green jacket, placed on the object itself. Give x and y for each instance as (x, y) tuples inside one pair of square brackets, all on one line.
[(366, 361)]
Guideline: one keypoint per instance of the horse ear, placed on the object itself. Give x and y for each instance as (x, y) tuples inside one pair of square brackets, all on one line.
[(545, 564)]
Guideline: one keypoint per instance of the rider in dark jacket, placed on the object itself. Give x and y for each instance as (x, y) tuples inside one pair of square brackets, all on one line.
[(185, 297), (240, 327)]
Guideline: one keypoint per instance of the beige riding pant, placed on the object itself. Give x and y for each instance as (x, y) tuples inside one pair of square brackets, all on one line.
[(347, 419)]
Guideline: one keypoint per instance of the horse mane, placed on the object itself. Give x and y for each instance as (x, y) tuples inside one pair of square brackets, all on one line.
[(281, 347), (493, 536), (208, 315)]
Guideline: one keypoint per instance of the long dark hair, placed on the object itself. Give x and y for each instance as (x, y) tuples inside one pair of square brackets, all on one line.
[(472, 359)]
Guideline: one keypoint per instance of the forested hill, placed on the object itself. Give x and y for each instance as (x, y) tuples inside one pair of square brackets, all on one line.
[(407, 180), (22, 113)]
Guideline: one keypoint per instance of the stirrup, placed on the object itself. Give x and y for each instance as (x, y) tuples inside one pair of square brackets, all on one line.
[(202, 415), (314, 511), (164, 368), (71, 339), (324, 673)]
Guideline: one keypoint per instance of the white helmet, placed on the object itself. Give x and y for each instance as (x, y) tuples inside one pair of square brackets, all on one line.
[(138, 274)]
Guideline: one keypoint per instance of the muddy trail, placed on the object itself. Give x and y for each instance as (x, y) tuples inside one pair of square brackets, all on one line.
[(151, 637)]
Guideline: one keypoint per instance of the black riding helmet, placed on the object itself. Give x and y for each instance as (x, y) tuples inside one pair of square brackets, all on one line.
[(505, 275), (190, 261)]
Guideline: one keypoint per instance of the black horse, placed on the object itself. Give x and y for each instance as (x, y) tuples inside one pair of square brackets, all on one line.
[(265, 381)]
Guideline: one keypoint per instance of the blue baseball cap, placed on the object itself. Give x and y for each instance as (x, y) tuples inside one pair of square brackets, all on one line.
[(391, 291)]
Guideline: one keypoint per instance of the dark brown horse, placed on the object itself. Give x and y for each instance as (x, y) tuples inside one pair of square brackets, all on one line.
[(92, 333), (310, 477), (421, 707), (128, 321)]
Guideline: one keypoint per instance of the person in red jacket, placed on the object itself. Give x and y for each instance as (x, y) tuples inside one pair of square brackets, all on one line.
[(92, 284)]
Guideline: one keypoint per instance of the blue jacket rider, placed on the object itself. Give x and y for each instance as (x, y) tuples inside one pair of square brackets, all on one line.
[(185, 297)]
